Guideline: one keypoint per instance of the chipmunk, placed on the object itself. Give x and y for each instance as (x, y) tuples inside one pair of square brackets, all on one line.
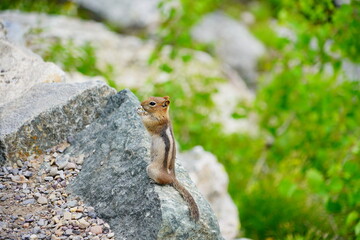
[(154, 113)]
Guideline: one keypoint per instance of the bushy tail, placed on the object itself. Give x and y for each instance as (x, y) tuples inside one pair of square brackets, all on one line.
[(193, 208)]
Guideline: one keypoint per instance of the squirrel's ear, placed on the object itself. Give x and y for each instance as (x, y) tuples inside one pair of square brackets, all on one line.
[(166, 97), (166, 103)]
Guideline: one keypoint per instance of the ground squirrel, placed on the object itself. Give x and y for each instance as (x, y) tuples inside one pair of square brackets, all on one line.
[(154, 114)]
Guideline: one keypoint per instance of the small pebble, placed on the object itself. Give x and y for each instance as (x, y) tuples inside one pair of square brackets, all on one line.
[(70, 165), (61, 174), (41, 180), (19, 163), (83, 223), (67, 216), (68, 232), (27, 174), (36, 229), (61, 161), (58, 232), (76, 215), (33, 236), (28, 201), (41, 222), (42, 200), (80, 159), (96, 229), (48, 179), (53, 171), (72, 203), (92, 214)]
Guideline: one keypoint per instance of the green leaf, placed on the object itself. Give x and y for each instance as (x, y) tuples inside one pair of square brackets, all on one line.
[(166, 68), (333, 206), (352, 217), (315, 178), (357, 229), (336, 185)]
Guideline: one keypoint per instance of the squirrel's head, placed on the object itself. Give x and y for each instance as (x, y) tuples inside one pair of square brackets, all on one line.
[(156, 105), (154, 111)]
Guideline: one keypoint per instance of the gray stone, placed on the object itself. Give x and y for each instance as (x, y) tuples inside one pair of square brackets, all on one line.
[(68, 232), (61, 161), (42, 222), (234, 44), (72, 203), (114, 181), (28, 201), (21, 69), (28, 174), (83, 223), (48, 179), (42, 200), (125, 13), (47, 114), (53, 171), (70, 165), (36, 229)]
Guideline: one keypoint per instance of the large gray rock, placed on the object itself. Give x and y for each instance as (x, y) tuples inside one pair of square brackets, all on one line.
[(125, 13), (47, 114), (20, 69), (113, 180), (234, 44), (212, 181)]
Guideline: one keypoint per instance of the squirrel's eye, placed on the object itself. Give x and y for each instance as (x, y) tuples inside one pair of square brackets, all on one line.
[(152, 103)]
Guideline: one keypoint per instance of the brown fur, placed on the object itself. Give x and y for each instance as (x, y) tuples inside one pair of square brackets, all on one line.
[(156, 119)]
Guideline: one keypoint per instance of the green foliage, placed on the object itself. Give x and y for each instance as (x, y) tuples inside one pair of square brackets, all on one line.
[(82, 59), (48, 6)]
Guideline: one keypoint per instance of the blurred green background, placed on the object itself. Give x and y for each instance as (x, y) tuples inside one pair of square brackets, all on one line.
[(299, 177)]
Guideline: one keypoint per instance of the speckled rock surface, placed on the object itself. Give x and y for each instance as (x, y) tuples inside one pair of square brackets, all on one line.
[(113, 180), (47, 114), (20, 69)]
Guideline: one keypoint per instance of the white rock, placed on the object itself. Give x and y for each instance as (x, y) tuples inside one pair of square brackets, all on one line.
[(53, 171), (96, 229), (212, 181), (351, 70), (23, 70), (70, 165), (234, 44), (126, 13), (67, 215), (42, 200), (83, 223)]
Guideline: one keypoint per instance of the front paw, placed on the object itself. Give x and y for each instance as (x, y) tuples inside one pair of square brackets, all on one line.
[(152, 181), (140, 110)]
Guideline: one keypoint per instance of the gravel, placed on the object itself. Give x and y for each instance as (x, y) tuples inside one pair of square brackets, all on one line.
[(34, 203)]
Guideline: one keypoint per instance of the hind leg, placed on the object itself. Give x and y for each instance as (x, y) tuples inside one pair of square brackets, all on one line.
[(160, 176)]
